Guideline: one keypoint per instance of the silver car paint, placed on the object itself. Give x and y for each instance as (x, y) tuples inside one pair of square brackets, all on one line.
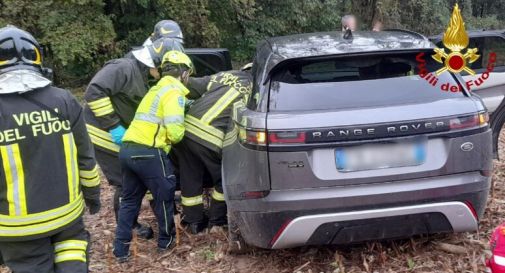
[(492, 91), (299, 230), (376, 194), (444, 157)]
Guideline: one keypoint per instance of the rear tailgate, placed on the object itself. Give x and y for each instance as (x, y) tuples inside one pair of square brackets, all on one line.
[(345, 108), (314, 164)]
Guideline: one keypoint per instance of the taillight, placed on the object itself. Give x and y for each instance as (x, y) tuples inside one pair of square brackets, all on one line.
[(286, 137), (261, 138), (252, 137), (478, 120)]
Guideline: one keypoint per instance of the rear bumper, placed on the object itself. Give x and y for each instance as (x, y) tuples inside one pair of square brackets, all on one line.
[(300, 230), (291, 217)]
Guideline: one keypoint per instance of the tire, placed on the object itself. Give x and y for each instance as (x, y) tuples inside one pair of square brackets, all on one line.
[(496, 122), (236, 243)]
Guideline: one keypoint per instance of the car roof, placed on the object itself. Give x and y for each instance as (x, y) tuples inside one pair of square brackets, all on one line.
[(331, 43), (319, 44)]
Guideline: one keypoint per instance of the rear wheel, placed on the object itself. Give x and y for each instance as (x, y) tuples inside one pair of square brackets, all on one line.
[(497, 121)]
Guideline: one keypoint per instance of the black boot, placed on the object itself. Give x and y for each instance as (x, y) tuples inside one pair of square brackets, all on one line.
[(195, 228), (144, 231)]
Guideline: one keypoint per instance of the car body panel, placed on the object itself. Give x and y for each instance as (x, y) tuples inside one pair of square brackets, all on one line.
[(301, 181), (260, 219)]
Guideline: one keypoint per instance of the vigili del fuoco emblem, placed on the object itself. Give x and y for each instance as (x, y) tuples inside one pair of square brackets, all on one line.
[(456, 40)]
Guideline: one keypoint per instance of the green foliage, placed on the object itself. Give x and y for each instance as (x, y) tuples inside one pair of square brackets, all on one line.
[(243, 23), (76, 35), (80, 35)]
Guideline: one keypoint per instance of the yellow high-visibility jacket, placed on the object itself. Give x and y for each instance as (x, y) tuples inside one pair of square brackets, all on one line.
[(159, 120)]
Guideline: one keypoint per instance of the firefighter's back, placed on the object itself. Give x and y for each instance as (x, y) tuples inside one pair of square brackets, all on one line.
[(38, 163)]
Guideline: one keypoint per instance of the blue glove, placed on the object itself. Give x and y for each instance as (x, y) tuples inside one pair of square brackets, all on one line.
[(117, 134)]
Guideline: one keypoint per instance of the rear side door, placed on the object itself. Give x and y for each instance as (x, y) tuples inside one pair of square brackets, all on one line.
[(208, 61)]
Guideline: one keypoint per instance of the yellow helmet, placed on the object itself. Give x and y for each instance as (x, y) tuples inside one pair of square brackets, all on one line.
[(176, 61)]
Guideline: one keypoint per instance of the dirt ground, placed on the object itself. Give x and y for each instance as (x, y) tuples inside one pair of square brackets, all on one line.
[(208, 252)]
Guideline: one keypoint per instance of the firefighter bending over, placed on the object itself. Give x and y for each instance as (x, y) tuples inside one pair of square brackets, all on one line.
[(199, 152)]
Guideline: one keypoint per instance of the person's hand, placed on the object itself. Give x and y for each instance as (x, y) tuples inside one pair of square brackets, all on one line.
[(117, 134), (93, 205)]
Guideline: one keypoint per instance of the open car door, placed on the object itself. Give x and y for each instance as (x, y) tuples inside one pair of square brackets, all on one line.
[(208, 61)]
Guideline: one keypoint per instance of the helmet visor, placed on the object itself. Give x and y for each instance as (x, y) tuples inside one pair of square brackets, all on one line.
[(8, 54), (30, 53)]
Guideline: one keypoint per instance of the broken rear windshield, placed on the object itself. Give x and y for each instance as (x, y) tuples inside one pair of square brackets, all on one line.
[(358, 81)]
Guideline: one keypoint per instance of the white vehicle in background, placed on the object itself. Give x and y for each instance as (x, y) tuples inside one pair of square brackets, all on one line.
[(492, 91)]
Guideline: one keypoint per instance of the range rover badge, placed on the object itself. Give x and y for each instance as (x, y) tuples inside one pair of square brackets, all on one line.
[(467, 146)]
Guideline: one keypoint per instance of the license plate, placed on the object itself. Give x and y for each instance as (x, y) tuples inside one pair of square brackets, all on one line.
[(380, 156)]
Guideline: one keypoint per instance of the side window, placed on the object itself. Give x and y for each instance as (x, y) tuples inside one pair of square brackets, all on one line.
[(479, 43), (496, 45), (487, 45), (476, 42)]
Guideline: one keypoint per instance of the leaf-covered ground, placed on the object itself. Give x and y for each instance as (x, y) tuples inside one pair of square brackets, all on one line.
[(207, 253)]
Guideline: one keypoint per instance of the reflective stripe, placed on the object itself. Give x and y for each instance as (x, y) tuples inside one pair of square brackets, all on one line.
[(89, 178), (46, 226), (198, 132), (230, 137), (99, 132), (217, 195), (156, 120), (15, 178), (205, 127), (90, 182), (35, 218), (153, 109), (70, 255), (220, 105), (102, 138), (89, 174), (71, 165), (104, 144), (103, 111), (148, 118), (192, 201), (105, 101), (177, 119), (101, 107), (70, 245)]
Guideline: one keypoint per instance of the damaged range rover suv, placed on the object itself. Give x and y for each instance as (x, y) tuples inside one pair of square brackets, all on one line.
[(342, 142)]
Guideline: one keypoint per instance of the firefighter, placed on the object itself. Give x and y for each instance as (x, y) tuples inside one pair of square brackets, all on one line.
[(200, 151), (47, 168), (166, 29), (112, 98), (158, 123)]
